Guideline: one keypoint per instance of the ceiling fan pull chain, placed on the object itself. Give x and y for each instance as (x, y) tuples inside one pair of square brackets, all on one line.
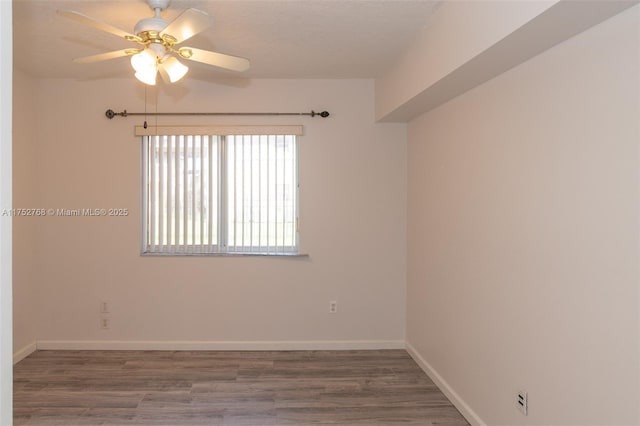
[(145, 107), (156, 110)]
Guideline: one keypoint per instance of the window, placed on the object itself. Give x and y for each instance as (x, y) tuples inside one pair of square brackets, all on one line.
[(208, 191)]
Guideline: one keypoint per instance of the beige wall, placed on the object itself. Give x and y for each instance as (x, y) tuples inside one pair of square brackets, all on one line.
[(25, 305), (523, 234), (458, 32), (353, 224)]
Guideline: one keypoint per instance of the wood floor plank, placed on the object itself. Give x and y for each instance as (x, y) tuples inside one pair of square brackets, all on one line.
[(146, 388)]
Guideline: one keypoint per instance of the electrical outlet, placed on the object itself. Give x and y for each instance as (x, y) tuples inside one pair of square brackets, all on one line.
[(522, 402), (105, 323), (104, 307), (333, 307)]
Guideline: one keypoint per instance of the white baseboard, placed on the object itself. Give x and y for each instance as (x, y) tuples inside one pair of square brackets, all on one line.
[(468, 413), (293, 345), (24, 352)]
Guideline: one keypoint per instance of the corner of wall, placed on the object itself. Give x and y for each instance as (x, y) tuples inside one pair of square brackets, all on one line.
[(462, 406), (24, 352)]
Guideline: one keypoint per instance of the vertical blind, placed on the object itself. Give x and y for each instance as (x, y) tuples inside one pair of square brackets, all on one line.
[(207, 191)]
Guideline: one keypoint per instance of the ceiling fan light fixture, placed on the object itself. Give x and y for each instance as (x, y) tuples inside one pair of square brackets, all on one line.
[(147, 77), (173, 68), (145, 64), (143, 61)]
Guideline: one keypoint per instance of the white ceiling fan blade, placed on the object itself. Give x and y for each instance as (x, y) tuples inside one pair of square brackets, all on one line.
[(187, 24), (221, 60), (105, 56), (84, 19)]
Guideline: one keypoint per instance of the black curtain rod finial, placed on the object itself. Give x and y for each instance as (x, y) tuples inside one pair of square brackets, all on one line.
[(323, 114), (110, 113)]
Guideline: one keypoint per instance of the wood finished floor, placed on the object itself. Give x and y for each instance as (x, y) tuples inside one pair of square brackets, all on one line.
[(383, 387)]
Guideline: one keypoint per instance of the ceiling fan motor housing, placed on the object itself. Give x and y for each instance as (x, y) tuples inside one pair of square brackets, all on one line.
[(149, 30), (150, 24)]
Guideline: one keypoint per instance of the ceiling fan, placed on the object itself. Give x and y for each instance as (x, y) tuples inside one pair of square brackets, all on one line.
[(157, 39)]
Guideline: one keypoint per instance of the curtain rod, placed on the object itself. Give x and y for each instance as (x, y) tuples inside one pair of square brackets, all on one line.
[(110, 113)]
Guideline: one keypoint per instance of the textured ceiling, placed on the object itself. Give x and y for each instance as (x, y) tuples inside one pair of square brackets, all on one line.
[(282, 38)]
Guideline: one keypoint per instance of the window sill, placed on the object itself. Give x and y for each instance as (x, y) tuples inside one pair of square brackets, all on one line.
[(292, 255)]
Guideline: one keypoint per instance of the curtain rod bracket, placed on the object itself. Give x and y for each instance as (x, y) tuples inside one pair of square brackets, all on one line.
[(111, 113), (322, 114)]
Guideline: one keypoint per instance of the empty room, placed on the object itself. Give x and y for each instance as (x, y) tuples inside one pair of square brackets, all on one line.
[(294, 212)]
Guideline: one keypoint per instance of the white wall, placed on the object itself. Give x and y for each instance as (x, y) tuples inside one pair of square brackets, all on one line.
[(6, 358), (523, 209), (353, 224), (457, 32), (465, 44), (25, 299)]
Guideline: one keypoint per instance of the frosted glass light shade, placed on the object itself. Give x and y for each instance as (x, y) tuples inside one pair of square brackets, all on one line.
[(146, 66), (173, 68), (143, 60), (147, 77)]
